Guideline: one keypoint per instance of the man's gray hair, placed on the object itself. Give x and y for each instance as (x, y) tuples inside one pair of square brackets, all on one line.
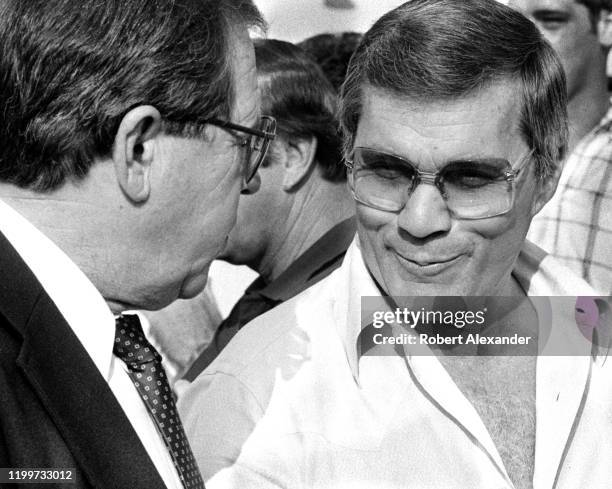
[(436, 50)]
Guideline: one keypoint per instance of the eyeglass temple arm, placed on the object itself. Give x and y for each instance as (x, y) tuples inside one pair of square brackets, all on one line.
[(248, 130)]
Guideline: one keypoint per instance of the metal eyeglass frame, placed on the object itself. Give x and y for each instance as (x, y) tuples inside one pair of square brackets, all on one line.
[(434, 178), (265, 136)]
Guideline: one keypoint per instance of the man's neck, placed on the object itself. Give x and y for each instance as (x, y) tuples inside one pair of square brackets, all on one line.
[(79, 227), (318, 209), (586, 108)]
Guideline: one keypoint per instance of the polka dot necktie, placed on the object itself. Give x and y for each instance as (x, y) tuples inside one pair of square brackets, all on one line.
[(146, 371)]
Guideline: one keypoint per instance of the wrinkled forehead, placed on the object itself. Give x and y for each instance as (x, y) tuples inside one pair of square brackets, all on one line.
[(246, 99), (484, 123)]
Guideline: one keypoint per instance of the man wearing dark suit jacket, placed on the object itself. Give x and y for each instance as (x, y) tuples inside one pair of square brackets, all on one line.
[(128, 131)]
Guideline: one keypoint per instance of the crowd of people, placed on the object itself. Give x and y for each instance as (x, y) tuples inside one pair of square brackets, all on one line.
[(456, 159)]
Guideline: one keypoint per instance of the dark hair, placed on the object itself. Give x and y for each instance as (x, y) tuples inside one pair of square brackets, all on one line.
[(446, 49), (296, 92), (332, 52), (70, 70), (595, 7)]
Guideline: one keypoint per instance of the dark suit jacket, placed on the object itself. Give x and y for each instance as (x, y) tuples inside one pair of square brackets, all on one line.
[(56, 410)]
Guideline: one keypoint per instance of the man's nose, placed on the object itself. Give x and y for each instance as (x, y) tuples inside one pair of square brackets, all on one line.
[(252, 186), (425, 212)]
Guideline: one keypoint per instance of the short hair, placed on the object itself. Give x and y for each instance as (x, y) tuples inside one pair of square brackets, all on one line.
[(71, 70), (295, 91), (332, 52), (437, 50), (595, 7)]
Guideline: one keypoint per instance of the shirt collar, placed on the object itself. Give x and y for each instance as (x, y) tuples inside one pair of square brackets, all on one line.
[(538, 274), (72, 292), (306, 269), (356, 283)]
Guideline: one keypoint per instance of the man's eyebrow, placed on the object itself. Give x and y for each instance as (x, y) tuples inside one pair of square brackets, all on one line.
[(465, 159), (550, 14)]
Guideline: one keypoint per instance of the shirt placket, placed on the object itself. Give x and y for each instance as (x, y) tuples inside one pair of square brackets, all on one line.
[(435, 381)]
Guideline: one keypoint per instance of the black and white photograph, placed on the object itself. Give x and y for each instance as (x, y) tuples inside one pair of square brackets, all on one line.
[(305, 244)]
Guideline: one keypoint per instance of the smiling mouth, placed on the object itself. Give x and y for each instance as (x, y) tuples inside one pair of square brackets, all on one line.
[(428, 266)]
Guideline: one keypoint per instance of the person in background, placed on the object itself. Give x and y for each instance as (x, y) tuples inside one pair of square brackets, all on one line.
[(194, 322), (129, 130), (296, 229), (454, 116), (576, 225), (332, 52)]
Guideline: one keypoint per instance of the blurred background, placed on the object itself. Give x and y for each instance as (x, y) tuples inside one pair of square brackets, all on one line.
[(295, 20)]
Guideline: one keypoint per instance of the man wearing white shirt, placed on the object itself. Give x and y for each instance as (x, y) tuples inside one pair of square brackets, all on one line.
[(128, 132), (575, 226), (454, 116)]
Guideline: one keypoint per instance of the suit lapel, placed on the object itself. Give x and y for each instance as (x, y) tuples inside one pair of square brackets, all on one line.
[(71, 389)]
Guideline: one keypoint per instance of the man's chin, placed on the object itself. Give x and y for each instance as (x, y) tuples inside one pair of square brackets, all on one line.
[(193, 285), (416, 289), (444, 284)]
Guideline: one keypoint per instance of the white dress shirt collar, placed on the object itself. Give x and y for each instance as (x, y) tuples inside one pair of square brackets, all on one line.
[(558, 377), (536, 272), (72, 292)]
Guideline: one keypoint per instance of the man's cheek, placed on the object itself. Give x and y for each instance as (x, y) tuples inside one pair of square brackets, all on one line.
[(372, 219), (491, 228)]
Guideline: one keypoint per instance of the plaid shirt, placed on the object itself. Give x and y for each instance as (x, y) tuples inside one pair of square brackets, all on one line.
[(576, 225)]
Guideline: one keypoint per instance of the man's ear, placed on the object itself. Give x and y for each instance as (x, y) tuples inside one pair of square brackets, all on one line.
[(604, 28), (299, 161), (546, 189), (134, 151)]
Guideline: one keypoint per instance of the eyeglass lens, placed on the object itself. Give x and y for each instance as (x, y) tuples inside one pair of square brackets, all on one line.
[(257, 147), (471, 189)]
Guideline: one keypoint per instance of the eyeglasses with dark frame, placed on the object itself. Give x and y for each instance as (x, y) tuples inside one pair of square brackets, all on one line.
[(256, 143), (471, 189)]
